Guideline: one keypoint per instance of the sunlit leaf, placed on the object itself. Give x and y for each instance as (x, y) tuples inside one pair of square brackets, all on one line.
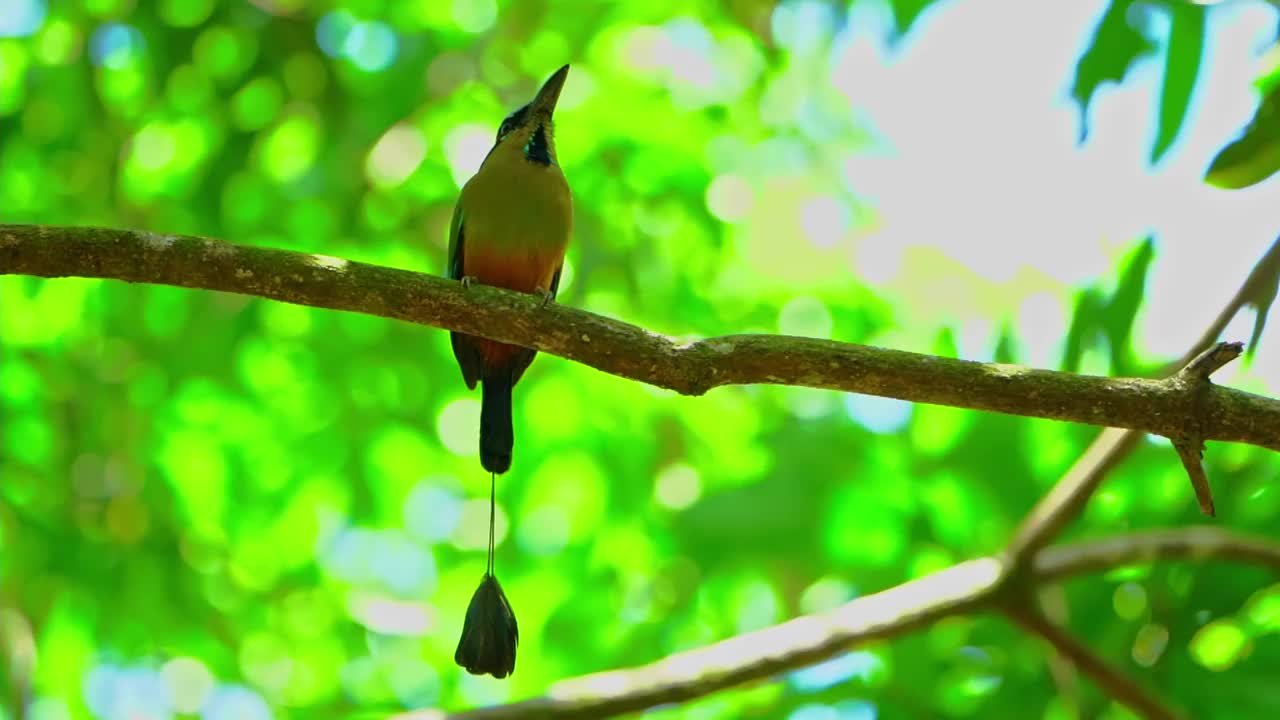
[(1114, 48), (1254, 156), (1181, 67)]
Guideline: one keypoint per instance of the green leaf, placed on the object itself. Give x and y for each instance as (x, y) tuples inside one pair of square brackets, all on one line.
[(1118, 318), (1116, 46), (1182, 65), (905, 13), (1254, 156)]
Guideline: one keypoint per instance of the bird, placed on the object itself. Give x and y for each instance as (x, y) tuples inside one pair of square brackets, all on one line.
[(510, 229)]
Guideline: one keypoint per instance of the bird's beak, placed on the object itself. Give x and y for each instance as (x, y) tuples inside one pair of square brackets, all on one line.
[(545, 102)]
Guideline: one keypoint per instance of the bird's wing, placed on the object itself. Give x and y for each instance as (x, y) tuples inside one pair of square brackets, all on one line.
[(456, 239), (555, 280), (465, 348)]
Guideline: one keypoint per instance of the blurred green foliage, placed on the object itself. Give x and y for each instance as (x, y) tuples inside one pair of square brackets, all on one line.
[(235, 508)]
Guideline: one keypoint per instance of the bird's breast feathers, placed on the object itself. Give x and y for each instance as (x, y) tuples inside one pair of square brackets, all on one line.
[(517, 219)]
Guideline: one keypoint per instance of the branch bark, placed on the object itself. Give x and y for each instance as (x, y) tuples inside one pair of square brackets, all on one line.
[(1196, 544), (628, 351), (1115, 683)]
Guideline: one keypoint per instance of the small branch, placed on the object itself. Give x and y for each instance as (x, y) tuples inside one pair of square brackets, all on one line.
[(756, 655), (1254, 287), (1190, 447), (1196, 543), (626, 350), (1211, 361), (1191, 453), (1069, 495), (1115, 683)]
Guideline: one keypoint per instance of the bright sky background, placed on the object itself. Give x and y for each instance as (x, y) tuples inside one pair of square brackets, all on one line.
[(987, 167)]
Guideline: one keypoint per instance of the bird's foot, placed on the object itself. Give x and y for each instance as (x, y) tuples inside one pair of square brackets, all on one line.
[(468, 281), (547, 295)]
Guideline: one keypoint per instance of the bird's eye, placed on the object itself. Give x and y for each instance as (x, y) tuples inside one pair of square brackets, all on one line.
[(512, 122)]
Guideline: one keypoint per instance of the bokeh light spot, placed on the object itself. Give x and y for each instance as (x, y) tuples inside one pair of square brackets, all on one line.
[(431, 512), (395, 156), (186, 13), (458, 427), (472, 532), (878, 414), (257, 103), (729, 198), (290, 149), (189, 683), (677, 487), (465, 147), (22, 17), (235, 702), (116, 46), (1149, 644), (371, 46), (805, 316), (544, 530), (475, 16)]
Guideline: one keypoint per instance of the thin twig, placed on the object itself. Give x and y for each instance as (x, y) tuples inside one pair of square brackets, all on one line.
[(1190, 446), (1194, 543), (1191, 453), (1115, 683)]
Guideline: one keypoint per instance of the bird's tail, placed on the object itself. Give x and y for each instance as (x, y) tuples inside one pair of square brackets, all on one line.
[(496, 436)]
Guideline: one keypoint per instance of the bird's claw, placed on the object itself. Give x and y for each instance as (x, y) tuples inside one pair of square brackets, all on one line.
[(547, 296), (468, 281)]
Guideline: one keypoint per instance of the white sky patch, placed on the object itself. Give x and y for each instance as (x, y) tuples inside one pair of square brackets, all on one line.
[(982, 161), (825, 219)]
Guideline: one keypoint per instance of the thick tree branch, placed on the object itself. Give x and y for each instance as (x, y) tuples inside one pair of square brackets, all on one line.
[(1153, 406)]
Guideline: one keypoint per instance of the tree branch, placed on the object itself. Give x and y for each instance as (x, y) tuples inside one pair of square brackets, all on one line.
[(1195, 543), (1172, 407), (1116, 684), (756, 655), (626, 350), (965, 588), (1068, 497)]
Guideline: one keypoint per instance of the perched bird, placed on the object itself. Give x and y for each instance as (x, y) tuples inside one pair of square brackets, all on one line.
[(510, 229)]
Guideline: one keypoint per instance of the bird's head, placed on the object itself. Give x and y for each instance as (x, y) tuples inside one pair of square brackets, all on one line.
[(529, 131)]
